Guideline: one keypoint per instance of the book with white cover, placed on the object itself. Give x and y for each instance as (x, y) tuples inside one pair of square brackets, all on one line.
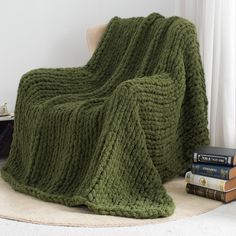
[(212, 183)]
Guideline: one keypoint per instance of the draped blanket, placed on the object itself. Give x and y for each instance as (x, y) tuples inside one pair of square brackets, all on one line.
[(108, 135)]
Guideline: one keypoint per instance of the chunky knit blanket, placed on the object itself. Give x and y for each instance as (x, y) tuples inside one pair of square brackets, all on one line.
[(108, 135)]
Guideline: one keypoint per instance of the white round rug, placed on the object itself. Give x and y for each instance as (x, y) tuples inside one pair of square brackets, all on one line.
[(21, 207)]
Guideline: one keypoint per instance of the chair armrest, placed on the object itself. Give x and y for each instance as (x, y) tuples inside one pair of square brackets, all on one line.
[(94, 35)]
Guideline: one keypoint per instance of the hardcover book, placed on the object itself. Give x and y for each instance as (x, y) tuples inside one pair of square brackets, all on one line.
[(211, 193), (215, 155), (212, 183), (215, 171)]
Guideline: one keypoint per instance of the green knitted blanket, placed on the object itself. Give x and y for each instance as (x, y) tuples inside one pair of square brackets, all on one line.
[(108, 134)]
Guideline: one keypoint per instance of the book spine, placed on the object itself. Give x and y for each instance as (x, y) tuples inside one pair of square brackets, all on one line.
[(205, 192), (211, 171), (213, 159), (204, 181)]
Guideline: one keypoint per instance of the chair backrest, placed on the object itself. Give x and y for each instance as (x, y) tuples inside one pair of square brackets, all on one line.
[(94, 35)]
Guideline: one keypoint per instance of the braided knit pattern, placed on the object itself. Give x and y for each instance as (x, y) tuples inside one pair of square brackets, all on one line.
[(108, 135)]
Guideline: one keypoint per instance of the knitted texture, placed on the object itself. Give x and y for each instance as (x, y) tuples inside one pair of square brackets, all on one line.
[(108, 134)]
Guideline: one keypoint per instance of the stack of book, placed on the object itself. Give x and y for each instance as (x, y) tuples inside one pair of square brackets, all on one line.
[(213, 173)]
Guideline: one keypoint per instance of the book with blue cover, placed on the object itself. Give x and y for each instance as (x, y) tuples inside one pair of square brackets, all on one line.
[(215, 171)]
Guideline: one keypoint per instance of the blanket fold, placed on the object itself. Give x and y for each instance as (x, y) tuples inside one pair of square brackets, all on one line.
[(109, 134)]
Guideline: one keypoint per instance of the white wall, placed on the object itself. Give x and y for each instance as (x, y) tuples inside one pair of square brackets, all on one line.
[(52, 33)]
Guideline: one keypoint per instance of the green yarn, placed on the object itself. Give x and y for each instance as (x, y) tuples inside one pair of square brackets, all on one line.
[(107, 135)]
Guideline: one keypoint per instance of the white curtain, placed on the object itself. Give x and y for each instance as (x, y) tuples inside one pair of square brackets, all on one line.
[(216, 25)]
